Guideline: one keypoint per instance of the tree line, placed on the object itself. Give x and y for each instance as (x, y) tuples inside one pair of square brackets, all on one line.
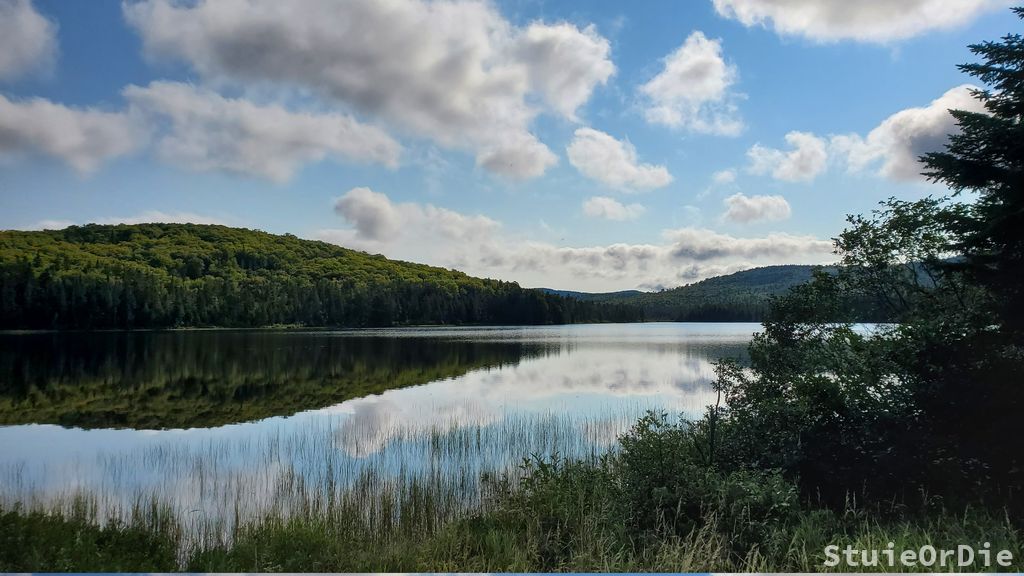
[(178, 275)]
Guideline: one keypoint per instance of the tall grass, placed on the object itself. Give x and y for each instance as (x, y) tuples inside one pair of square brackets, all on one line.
[(214, 486), (570, 528), (301, 501)]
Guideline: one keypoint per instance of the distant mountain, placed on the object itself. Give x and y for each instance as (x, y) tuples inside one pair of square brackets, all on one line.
[(739, 297), (598, 296), (170, 275)]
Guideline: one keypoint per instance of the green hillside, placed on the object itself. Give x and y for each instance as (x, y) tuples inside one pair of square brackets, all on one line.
[(602, 296), (172, 275), (739, 297)]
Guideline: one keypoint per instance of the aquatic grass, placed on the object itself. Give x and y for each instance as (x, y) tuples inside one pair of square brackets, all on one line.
[(216, 484), (547, 515), (529, 492)]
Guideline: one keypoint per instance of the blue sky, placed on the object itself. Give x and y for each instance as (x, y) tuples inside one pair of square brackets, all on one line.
[(592, 146)]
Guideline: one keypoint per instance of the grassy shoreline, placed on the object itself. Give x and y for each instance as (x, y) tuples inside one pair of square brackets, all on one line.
[(521, 533), (621, 511)]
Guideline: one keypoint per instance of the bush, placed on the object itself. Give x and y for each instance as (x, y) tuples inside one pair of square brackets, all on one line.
[(668, 485)]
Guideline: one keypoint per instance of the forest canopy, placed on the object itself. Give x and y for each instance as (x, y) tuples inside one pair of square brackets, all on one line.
[(183, 275)]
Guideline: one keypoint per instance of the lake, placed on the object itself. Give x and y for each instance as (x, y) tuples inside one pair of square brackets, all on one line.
[(225, 426)]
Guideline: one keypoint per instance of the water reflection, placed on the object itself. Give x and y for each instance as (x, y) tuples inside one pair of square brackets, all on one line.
[(204, 379), (439, 404)]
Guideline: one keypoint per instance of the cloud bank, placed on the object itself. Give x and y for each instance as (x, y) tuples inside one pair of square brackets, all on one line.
[(481, 246), (455, 72), (205, 131)]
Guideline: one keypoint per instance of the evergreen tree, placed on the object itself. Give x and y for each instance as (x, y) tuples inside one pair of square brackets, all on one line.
[(987, 157)]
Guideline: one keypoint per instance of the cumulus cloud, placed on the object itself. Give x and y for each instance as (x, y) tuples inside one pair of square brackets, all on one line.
[(83, 138), (692, 90), (456, 72), (891, 149), (611, 209), (206, 131), (28, 41), (378, 221), (744, 209), (896, 144), (804, 161), (565, 63), (519, 157), (480, 246), (372, 213), (864, 20), (723, 177), (601, 157)]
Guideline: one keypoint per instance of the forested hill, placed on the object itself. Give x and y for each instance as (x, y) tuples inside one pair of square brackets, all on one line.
[(739, 297), (172, 275), (602, 296)]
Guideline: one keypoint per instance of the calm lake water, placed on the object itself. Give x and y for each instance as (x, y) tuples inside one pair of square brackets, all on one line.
[(224, 426)]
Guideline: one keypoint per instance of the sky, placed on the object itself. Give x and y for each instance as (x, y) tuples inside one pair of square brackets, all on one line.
[(591, 146)]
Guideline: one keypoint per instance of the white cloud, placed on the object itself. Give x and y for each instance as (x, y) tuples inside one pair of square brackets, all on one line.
[(863, 20), (601, 157), (891, 149), (480, 246), (723, 177), (692, 91), (700, 245), (378, 221), (453, 71), (611, 209), (898, 142), (206, 131), (743, 209), (28, 41), (82, 137), (372, 213), (519, 157), (807, 158), (565, 63)]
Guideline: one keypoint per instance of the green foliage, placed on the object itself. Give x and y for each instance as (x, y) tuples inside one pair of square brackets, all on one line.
[(172, 275), (931, 403), (552, 515), (986, 156), (924, 405), (669, 486), (38, 542)]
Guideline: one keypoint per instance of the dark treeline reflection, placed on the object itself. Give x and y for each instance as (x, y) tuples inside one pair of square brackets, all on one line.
[(202, 379)]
